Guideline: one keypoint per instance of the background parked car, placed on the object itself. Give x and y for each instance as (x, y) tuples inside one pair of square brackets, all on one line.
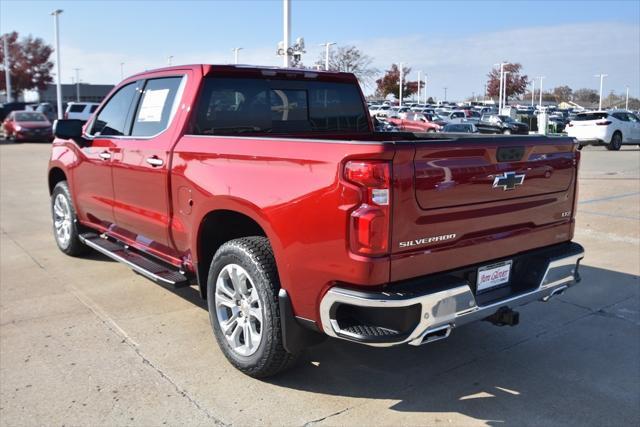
[(494, 123), (460, 128), (414, 122), (612, 129), (27, 126), (80, 110)]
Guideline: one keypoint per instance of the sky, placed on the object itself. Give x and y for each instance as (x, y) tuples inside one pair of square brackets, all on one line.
[(454, 42)]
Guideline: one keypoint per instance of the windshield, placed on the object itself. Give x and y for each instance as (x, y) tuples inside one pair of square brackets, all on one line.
[(30, 117), (244, 105)]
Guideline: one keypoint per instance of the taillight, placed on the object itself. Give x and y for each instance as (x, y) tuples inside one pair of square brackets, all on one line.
[(369, 223), (66, 115), (605, 123)]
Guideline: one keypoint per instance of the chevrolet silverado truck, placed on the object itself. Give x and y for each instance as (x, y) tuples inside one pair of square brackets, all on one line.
[(268, 191)]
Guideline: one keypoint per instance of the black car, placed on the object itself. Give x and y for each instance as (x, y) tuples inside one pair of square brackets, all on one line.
[(494, 123)]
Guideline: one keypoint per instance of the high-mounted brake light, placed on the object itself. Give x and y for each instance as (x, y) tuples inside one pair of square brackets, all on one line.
[(370, 222)]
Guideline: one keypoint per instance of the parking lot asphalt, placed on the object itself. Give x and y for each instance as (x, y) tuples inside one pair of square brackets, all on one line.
[(85, 341)]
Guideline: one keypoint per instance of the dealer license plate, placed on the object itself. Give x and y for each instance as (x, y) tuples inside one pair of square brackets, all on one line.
[(493, 275)]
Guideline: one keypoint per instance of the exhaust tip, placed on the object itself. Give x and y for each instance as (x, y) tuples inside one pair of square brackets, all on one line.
[(436, 334)]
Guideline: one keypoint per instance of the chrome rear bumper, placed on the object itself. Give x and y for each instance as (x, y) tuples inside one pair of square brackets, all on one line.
[(443, 310)]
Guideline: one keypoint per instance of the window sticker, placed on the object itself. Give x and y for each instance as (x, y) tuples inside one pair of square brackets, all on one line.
[(152, 105)]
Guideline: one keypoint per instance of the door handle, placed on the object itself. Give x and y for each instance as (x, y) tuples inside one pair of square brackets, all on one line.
[(155, 161), (105, 155)]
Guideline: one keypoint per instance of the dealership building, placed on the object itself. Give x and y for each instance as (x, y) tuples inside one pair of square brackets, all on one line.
[(87, 92)]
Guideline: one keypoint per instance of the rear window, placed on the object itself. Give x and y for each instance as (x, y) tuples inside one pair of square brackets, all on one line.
[(590, 116), (76, 108), (244, 105)]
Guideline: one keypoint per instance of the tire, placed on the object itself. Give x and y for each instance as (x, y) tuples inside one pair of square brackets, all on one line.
[(431, 130), (66, 229), (235, 305), (616, 141), (506, 132)]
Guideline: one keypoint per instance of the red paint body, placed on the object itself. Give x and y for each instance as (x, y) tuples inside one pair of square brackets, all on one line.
[(293, 187), (414, 125)]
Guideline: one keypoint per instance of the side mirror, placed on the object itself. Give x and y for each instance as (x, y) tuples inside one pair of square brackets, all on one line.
[(69, 129)]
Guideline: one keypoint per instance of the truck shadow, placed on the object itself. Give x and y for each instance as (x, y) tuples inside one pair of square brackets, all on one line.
[(572, 348)]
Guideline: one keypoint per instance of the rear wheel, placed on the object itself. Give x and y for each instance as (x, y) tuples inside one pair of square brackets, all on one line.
[(242, 296), (506, 132), (616, 141)]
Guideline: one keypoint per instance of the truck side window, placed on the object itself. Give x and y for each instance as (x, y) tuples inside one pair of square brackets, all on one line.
[(112, 118), (157, 106)]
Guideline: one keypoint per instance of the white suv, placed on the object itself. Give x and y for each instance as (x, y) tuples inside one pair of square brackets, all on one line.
[(80, 110), (610, 128)]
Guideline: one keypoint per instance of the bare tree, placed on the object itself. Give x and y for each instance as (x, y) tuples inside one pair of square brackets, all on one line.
[(349, 59)]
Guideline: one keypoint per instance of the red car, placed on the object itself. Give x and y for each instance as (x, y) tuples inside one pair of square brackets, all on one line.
[(27, 126), (415, 122), (268, 190)]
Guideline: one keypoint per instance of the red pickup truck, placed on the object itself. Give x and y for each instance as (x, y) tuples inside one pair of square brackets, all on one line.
[(268, 190)]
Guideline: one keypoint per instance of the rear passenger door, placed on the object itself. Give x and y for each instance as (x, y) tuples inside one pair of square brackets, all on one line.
[(141, 165), (635, 127)]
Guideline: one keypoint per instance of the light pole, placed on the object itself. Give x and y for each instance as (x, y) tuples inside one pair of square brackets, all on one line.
[(504, 92), (533, 90), (541, 77), (235, 54), (122, 71), (400, 85), (419, 81), (327, 46), (55, 15), (425, 88), (7, 67), (169, 59), (626, 104), (602, 76), (287, 31), (77, 70), (502, 64), (485, 93), (445, 94)]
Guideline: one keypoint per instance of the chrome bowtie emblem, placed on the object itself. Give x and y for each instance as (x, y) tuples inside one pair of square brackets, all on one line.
[(508, 181)]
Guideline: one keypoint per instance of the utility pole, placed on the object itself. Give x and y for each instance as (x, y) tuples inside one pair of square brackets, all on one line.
[(602, 76), (419, 81), (541, 77), (169, 60), (55, 15), (235, 54), (400, 85), (122, 71), (77, 70), (7, 67), (626, 104), (327, 46), (287, 31), (445, 94), (485, 93)]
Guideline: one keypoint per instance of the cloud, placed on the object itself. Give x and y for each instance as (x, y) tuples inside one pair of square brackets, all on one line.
[(565, 54)]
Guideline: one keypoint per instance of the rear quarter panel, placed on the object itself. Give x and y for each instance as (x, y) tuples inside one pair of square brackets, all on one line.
[(292, 189)]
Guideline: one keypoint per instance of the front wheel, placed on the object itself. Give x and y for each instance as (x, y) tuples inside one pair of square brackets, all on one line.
[(616, 142), (242, 296), (65, 221), (506, 132)]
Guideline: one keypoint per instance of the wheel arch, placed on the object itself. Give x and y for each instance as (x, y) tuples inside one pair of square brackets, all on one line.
[(217, 227), (55, 176)]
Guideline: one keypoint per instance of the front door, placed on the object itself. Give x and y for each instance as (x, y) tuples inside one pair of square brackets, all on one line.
[(92, 179), (141, 166)]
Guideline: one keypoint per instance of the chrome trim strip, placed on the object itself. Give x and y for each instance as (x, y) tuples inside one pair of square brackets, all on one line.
[(285, 138), (142, 271), (448, 308)]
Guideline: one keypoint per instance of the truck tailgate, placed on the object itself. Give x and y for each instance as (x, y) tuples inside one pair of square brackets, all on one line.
[(469, 200)]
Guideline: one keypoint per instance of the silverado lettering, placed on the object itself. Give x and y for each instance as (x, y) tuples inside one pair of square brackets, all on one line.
[(426, 240), (273, 196)]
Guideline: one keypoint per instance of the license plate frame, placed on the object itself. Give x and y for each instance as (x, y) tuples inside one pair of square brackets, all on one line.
[(493, 276)]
